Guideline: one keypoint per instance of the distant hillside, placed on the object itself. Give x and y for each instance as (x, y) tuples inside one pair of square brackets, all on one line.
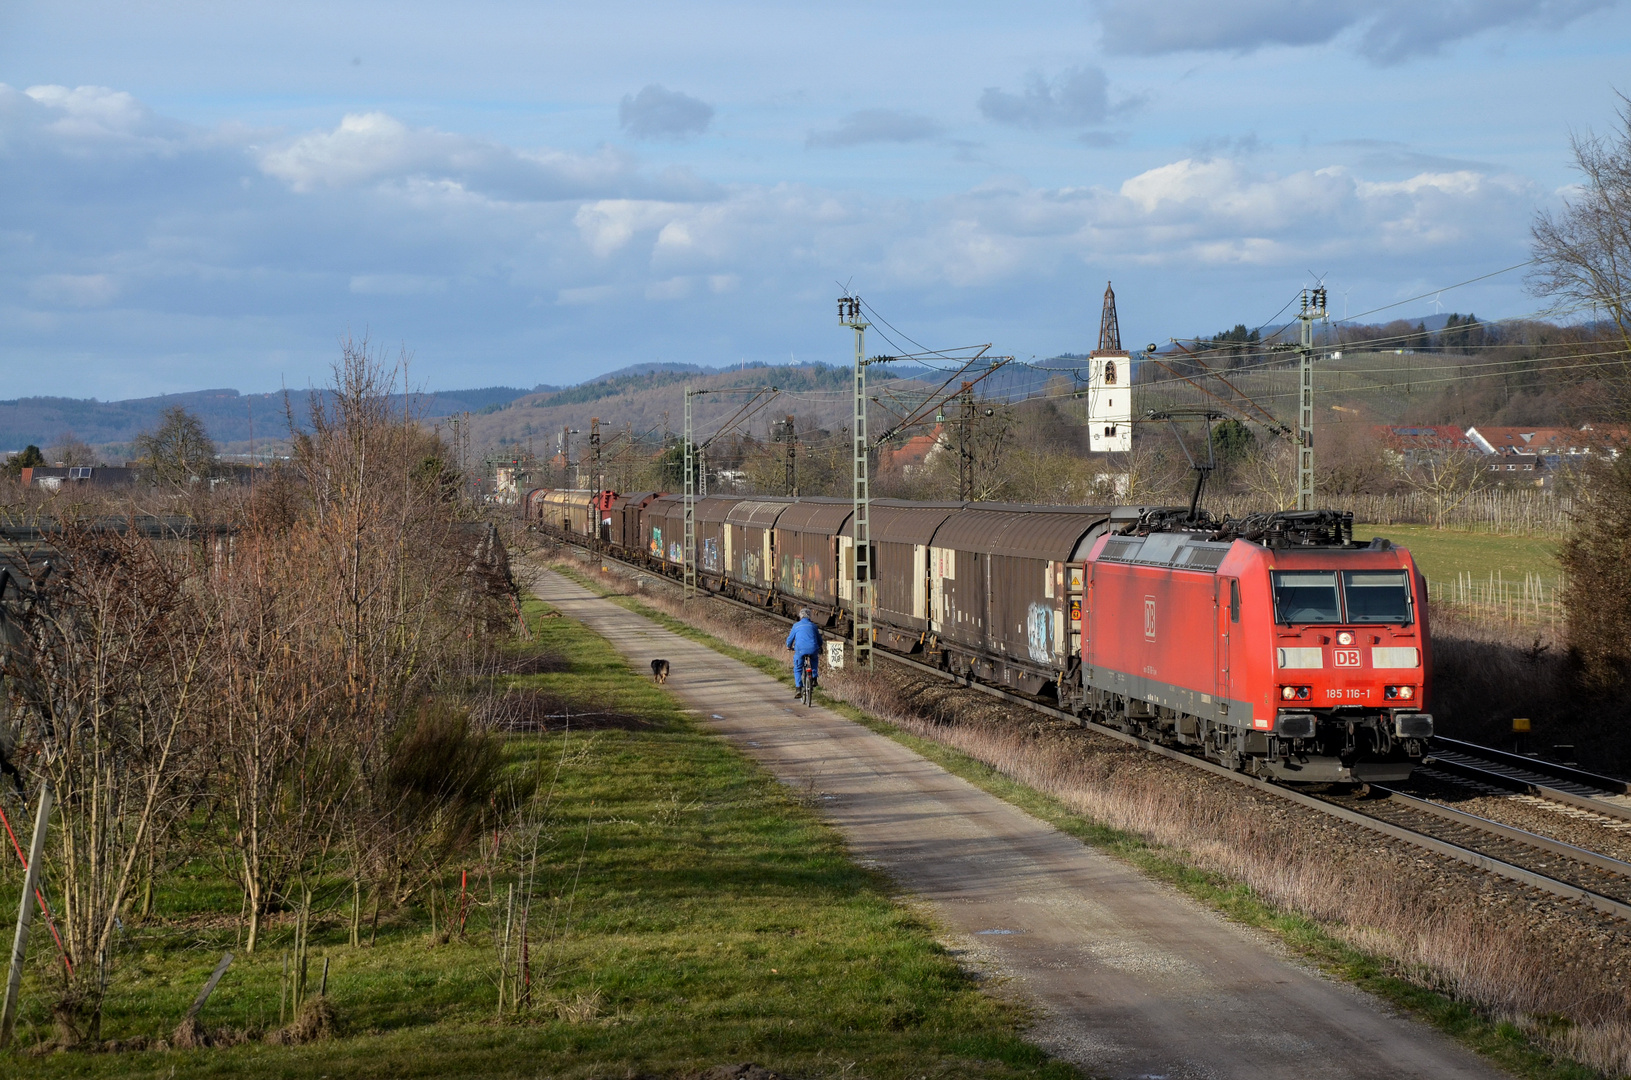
[(229, 416), (652, 401), (234, 420)]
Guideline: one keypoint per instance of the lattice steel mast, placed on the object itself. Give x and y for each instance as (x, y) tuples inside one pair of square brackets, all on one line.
[(1313, 308), (849, 314)]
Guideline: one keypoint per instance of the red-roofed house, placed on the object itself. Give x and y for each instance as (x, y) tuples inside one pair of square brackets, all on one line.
[(1416, 443), (1519, 450), (913, 454)]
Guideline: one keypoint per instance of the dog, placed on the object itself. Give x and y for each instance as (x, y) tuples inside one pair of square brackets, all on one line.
[(659, 671)]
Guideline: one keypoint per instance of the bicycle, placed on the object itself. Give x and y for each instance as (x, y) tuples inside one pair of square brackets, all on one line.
[(807, 681)]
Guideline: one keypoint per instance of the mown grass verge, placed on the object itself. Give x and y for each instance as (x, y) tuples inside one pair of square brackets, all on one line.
[(1502, 1042), (1444, 553), (703, 916)]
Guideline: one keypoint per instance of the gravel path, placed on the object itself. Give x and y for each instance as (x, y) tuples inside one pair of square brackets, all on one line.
[(1132, 980)]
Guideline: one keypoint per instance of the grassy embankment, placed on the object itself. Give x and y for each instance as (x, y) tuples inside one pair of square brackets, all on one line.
[(703, 916), (1444, 553), (1523, 1052)]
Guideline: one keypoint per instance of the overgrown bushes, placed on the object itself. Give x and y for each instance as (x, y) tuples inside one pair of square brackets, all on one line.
[(272, 679)]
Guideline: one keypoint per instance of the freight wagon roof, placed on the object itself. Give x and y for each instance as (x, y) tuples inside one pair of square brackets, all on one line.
[(757, 512), (663, 504), (817, 515), (640, 498), (714, 508), (1052, 534), (900, 522)]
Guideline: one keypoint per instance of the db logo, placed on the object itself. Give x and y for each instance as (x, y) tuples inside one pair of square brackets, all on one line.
[(1149, 618), (1345, 657)]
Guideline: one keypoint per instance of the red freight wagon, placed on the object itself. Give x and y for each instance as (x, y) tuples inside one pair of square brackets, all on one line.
[(1303, 663)]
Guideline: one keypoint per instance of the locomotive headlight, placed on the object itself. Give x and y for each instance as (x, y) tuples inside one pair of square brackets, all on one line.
[(1345, 638), (1399, 693), (1294, 693)]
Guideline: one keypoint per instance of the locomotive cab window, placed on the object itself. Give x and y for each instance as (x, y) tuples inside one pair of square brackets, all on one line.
[(1306, 596), (1234, 600), (1376, 596)]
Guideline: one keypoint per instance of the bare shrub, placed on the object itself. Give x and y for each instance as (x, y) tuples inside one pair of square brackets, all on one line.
[(316, 1021), (104, 662), (433, 794), (1596, 555)]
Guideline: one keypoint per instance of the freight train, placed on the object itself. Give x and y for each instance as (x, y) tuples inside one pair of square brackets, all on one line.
[(1274, 644)]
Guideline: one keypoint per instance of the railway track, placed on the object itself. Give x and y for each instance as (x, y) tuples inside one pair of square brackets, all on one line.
[(1571, 873), (1548, 780)]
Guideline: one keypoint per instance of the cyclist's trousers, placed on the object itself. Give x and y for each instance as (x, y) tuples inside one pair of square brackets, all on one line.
[(798, 666)]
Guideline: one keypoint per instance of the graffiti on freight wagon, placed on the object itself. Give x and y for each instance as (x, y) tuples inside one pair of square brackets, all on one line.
[(1039, 632)]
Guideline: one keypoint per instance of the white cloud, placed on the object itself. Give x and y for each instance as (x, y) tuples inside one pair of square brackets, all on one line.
[(372, 148), (91, 110), (609, 224)]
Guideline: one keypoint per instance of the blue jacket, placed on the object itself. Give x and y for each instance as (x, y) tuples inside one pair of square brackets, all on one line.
[(805, 637)]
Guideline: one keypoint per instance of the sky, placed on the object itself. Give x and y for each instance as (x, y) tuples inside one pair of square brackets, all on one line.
[(198, 195)]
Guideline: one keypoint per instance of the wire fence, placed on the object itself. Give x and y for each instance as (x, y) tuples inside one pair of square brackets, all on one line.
[(1514, 512), (1535, 601)]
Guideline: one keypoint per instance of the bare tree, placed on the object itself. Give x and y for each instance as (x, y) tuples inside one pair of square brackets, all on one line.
[(1448, 473), (339, 613), (70, 449), (179, 451), (1269, 474), (1583, 252)]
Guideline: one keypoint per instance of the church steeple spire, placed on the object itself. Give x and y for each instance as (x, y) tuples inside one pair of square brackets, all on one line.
[(1109, 330)]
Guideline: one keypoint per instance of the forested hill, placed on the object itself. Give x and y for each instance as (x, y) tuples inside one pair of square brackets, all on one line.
[(230, 417)]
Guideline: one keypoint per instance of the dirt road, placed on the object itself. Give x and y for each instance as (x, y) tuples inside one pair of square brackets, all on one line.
[(1132, 980)]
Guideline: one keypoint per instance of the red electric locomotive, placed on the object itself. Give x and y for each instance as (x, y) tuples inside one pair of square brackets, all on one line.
[(1275, 644)]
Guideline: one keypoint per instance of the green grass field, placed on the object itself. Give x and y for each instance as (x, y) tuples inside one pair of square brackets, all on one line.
[(1443, 553), (704, 916)]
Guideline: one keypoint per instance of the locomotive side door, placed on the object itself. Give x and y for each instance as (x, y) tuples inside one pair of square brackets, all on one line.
[(1227, 607)]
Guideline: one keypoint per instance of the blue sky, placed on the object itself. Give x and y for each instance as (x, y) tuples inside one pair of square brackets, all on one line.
[(212, 194)]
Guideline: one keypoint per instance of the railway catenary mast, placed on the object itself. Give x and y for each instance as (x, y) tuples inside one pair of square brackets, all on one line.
[(849, 314)]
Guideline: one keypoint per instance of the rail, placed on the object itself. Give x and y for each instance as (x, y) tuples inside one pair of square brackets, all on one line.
[(1553, 769)]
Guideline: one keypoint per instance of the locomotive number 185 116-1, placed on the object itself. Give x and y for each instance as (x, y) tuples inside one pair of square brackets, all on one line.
[(1347, 695)]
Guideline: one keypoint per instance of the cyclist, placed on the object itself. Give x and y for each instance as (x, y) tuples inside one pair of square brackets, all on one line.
[(804, 640)]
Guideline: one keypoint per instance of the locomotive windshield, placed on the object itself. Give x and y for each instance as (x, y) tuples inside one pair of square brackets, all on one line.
[(1367, 596), (1376, 596), (1306, 597)]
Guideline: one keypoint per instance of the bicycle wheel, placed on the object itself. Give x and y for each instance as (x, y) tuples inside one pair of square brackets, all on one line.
[(809, 682)]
